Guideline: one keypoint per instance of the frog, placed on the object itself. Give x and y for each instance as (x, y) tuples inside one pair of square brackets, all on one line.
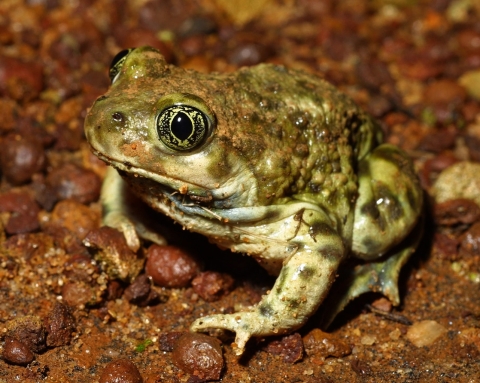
[(271, 162)]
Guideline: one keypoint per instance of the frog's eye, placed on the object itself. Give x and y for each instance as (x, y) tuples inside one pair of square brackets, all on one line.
[(117, 63), (183, 127)]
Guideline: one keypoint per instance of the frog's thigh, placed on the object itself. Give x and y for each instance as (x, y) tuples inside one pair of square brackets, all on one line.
[(389, 201)]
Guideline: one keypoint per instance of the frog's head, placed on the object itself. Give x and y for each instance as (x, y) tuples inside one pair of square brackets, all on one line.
[(156, 128)]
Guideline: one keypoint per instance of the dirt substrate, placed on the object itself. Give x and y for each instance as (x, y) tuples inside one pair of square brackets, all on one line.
[(414, 65)]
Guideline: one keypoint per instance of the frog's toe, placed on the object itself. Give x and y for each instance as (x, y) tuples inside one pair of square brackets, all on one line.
[(226, 322), (127, 227)]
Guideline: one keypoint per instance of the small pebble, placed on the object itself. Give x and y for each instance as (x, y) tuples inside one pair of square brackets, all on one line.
[(140, 292), (28, 330), (170, 266), (20, 80), (368, 340), (9, 110), (73, 182), (458, 181), (211, 286), (471, 82), (121, 371), (425, 333), (24, 209), (111, 251), (470, 241), (382, 304), (30, 246), (199, 355), (167, 341), (248, 53), (20, 158), (456, 211), (80, 293), (75, 217), (323, 345), (59, 325), (80, 267), (16, 352), (395, 334), (290, 347)]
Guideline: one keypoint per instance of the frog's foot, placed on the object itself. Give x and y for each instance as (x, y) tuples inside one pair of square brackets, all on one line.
[(123, 211), (244, 324), (120, 222), (381, 277)]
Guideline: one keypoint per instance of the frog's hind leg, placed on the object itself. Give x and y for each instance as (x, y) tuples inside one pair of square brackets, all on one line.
[(380, 276), (389, 202), (386, 228)]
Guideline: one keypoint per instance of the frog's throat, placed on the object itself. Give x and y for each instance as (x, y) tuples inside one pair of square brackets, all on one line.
[(239, 215), (170, 187)]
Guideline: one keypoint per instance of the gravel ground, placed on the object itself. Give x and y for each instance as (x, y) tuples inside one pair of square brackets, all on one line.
[(414, 65)]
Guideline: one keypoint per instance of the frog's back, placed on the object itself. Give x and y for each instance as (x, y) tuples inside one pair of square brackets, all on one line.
[(304, 126)]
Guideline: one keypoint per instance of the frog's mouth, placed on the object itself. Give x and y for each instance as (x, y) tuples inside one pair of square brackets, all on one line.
[(207, 206), (223, 204)]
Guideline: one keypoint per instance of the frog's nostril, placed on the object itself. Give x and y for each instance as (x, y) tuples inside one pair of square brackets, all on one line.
[(118, 117)]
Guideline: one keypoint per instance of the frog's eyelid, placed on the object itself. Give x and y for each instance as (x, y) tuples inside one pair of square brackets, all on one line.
[(115, 78)]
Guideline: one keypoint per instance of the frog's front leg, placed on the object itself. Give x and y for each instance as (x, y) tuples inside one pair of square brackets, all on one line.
[(123, 211), (303, 283)]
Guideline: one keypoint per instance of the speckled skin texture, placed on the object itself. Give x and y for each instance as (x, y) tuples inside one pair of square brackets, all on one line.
[(290, 171)]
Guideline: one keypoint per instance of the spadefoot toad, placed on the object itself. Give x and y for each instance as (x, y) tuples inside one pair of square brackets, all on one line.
[(271, 162)]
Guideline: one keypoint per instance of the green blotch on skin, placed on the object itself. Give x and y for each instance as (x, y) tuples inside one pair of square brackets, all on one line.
[(141, 347), (266, 310)]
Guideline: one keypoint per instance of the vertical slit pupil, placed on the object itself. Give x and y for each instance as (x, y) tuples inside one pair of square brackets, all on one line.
[(182, 126)]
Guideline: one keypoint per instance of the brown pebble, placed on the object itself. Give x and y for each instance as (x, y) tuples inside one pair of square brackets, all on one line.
[(192, 45), (434, 166), (44, 194), (78, 294), (199, 355), (248, 53), (121, 371), (29, 330), (16, 352), (20, 158), (456, 211), (80, 267), (439, 141), (469, 40), (473, 145), (29, 247), (24, 209), (59, 325), (290, 347), (167, 341), (323, 345), (140, 292), (10, 111), (360, 367), (211, 285), (114, 290), (20, 80), (445, 245), (75, 217), (73, 182), (444, 96), (470, 241), (170, 266), (111, 251), (382, 304), (417, 66)]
